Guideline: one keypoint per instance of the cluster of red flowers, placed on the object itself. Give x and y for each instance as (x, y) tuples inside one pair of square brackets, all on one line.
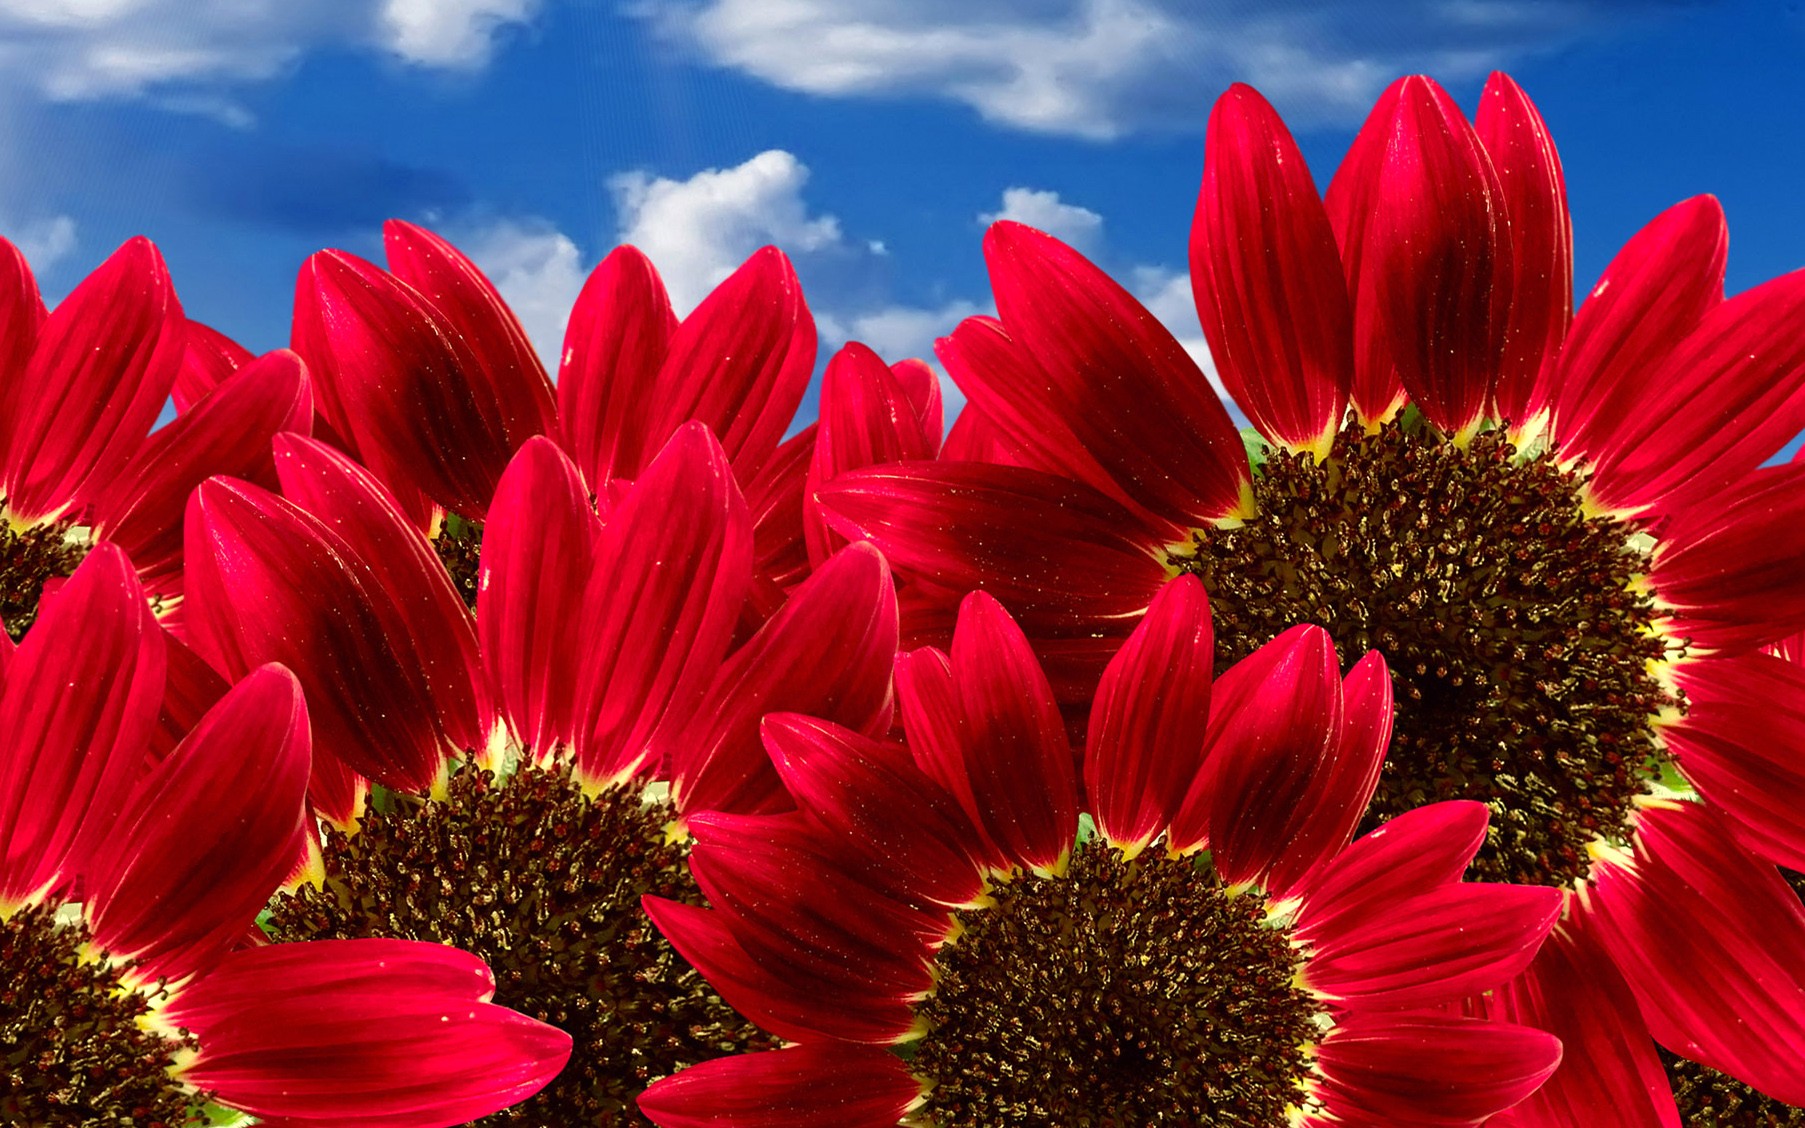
[(402, 737)]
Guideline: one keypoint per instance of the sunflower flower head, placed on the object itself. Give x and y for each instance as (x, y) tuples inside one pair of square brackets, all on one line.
[(980, 929)]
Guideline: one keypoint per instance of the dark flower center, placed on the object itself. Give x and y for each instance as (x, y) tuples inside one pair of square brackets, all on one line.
[(1124, 994), (28, 558), (545, 884), (1520, 653), (71, 1049), (460, 548)]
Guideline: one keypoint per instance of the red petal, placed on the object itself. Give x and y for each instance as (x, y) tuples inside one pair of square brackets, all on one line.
[(1419, 850), (104, 364), (1352, 203), (1440, 245), (539, 549), (190, 688), (78, 708), (1341, 791), (1452, 940), (811, 923), (1728, 573), (268, 582), (388, 554), (226, 432), (392, 376), (1723, 400), (210, 357), (878, 803), (1145, 741), (775, 499), (813, 1085), (1123, 386), (1275, 725), (21, 320), (513, 379), (1266, 275), (1712, 944), (619, 332), (1610, 1076), (671, 570), (702, 938), (923, 389), (867, 419), (207, 836), (739, 363), (1742, 745), (1014, 768), (381, 1032), (1057, 553), (1007, 390), (1663, 281), (1541, 238), (1424, 1070), (828, 652)]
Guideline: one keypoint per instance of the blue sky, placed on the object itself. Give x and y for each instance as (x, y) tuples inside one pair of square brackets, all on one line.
[(871, 138)]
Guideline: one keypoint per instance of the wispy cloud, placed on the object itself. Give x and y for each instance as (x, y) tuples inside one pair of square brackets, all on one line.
[(174, 50), (1102, 68)]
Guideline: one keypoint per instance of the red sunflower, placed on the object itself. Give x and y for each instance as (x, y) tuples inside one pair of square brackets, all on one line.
[(533, 763), (140, 1004), (1551, 523), (80, 388), (945, 942)]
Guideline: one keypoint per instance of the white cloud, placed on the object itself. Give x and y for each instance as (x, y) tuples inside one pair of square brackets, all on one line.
[(45, 242), (1100, 68), (539, 272), (86, 49), (1081, 227), (450, 33), (697, 231)]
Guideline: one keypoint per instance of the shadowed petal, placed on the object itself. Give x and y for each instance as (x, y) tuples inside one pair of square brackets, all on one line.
[(1057, 553), (776, 499), (391, 556), (1267, 279), (393, 377), (268, 582), (514, 385), (21, 319), (1124, 387), (210, 357)]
